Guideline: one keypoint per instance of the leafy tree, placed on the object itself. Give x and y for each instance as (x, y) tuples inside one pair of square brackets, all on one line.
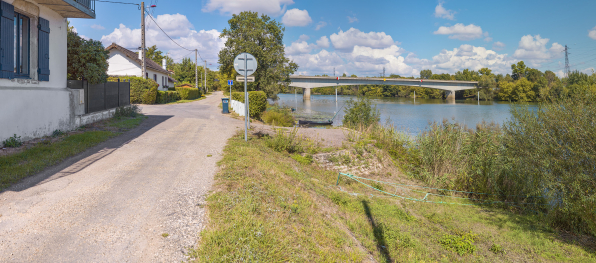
[(154, 54), (263, 38), (521, 90), (344, 75), (86, 59), (184, 71), (353, 76), (518, 71), (360, 113), (533, 74), (487, 85), (394, 76), (467, 75), (426, 74), (485, 72)]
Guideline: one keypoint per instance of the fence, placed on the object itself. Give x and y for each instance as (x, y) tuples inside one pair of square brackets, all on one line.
[(237, 107), (103, 96)]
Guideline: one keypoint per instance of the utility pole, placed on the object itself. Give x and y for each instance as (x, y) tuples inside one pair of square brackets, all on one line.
[(196, 70), (567, 70), (334, 71), (383, 72), (205, 76), (144, 69)]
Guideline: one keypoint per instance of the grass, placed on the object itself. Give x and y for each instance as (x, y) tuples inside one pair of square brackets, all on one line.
[(185, 101), (35, 159), (273, 206)]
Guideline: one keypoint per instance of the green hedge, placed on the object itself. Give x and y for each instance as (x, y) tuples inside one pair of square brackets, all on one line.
[(167, 96), (257, 99), (188, 93), (142, 90)]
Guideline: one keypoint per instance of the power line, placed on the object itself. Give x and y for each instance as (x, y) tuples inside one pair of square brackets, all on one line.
[(150, 16)]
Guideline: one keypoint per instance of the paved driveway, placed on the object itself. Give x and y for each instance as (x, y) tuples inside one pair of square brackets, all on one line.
[(113, 202)]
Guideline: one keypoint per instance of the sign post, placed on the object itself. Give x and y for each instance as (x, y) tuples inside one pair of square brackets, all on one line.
[(247, 65), (230, 83)]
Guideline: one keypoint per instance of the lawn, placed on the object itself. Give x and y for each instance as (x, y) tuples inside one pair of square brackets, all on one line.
[(274, 206)]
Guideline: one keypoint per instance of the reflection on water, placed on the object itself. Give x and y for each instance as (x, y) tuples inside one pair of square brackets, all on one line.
[(410, 115)]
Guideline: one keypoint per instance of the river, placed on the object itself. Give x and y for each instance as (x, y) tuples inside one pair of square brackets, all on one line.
[(406, 114)]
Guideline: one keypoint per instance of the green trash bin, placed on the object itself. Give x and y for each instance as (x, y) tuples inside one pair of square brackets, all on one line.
[(224, 105)]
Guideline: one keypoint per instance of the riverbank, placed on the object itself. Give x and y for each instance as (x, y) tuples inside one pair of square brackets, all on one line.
[(275, 199)]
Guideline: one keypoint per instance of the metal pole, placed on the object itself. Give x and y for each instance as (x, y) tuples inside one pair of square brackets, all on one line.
[(230, 92), (144, 69), (245, 101), (205, 76), (196, 70)]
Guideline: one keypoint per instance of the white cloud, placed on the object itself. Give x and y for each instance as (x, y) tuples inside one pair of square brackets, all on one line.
[(322, 62), (592, 33), (303, 37), (498, 45), (345, 41), (488, 39), (323, 42), (533, 50), (98, 27), (321, 25), (352, 19), (469, 57), (177, 26), (270, 7), (296, 17), (441, 12), (461, 32)]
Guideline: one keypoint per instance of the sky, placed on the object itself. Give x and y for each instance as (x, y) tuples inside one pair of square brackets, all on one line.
[(365, 37)]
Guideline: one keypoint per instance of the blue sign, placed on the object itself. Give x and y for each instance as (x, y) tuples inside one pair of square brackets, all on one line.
[(230, 82)]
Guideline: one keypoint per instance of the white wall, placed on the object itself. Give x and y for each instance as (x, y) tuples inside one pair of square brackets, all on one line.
[(30, 108), (121, 65)]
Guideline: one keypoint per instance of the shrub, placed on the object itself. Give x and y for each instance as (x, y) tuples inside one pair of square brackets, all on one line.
[(360, 113), (167, 96), (142, 91), (303, 159), (188, 93), (127, 111), (13, 142), (282, 142), (462, 243), (257, 100), (278, 117)]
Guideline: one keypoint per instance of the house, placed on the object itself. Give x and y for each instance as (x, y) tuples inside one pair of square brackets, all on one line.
[(34, 98), (124, 62)]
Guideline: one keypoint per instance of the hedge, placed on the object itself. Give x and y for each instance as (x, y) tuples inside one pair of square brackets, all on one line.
[(188, 93), (167, 96), (257, 99), (142, 90)]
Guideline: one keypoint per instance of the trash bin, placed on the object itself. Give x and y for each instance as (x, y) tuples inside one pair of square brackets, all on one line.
[(224, 105)]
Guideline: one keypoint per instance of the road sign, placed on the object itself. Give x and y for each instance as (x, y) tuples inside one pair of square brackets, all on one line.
[(230, 82), (251, 64), (248, 79)]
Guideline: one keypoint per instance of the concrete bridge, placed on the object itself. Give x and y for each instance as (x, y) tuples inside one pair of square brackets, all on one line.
[(308, 82)]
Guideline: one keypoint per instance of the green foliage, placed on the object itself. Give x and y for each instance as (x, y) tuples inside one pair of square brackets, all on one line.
[(57, 133), (426, 74), (127, 111), (497, 249), (518, 71), (13, 142), (278, 117), (521, 90), (142, 91), (462, 243), (285, 142), (157, 56), (86, 59), (360, 113), (257, 99), (263, 38), (164, 97), (188, 93), (305, 160)]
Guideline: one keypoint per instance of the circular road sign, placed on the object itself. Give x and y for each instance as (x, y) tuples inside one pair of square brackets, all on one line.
[(251, 64)]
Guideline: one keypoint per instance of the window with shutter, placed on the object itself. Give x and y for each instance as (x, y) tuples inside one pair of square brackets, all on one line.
[(43, 50), (7, 39)]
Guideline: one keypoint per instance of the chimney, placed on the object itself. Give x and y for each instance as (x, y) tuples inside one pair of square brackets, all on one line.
[(163, 63)]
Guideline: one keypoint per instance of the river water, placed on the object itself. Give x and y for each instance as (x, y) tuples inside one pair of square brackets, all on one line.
[(410, 115)]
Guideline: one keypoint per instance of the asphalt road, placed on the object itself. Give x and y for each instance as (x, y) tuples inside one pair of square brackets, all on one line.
[(114, 202)]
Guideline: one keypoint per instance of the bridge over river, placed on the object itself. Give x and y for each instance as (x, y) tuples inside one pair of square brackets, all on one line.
[(308, 82)]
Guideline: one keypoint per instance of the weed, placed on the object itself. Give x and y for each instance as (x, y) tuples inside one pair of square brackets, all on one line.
[(57, 133), (378, 186), (282, 142), (277, 116), (307, 159), (127, 111), (462, 243), (497, 249), (13, 142), (165, 235), (209, 155)]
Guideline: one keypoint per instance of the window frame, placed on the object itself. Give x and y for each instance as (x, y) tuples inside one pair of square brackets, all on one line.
[(17, 47)]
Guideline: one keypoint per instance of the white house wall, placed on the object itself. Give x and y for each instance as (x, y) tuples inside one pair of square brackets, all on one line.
[(122, 65), (30, 108)]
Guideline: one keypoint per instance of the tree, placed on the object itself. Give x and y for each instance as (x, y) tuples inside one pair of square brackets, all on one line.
[(426, 74), (518, 71), (344, 75), (184, 71), (485, 72), (263, 38), (86, 59)]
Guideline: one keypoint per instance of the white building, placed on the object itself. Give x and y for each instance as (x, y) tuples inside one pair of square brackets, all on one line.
[(34, 98), (124, 62)]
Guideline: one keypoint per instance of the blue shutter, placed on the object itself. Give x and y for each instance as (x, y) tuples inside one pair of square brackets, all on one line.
[(7, 40), (43, 50)]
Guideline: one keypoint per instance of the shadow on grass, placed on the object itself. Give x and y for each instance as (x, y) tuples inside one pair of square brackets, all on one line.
[(80, 161), (378, 233)]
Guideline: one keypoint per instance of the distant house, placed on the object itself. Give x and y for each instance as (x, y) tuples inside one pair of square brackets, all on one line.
[(186, 85), (124, 62), (34, 98)]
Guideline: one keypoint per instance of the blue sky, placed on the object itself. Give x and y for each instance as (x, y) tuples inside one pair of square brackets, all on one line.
[(363, 37)]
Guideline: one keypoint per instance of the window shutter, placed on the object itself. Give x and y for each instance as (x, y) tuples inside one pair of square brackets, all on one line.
[(43, 50), (7, 40)]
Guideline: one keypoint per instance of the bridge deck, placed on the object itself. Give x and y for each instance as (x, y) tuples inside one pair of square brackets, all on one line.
[(309, 82)]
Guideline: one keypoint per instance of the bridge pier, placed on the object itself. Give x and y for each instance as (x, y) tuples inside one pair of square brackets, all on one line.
[(450, 94), (305, 94)]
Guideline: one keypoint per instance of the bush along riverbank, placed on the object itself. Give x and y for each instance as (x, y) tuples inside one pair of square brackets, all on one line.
[(449, 195)]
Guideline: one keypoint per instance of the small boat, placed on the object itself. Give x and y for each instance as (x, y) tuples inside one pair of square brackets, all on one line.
[(314, 123)]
